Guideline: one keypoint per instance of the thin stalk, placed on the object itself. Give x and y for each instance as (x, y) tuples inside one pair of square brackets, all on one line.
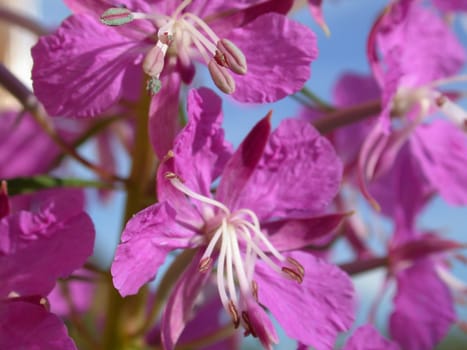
[(22, 21), (32, 105), (345, 116)]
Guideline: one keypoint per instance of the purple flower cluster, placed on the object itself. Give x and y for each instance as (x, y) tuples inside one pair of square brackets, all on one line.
[(241, 237)]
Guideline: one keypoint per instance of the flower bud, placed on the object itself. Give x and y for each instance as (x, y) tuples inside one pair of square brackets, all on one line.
[(232, 56), (221, 77), (116, 16), (154, 61)]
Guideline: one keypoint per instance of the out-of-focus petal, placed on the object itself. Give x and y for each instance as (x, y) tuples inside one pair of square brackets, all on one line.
[(97, 7), (85, 67), (25, 325), (423, 308), (164, 121), (291, 234), (368, 338), (441, 150), (278, 59), (146, 240), (312, 312), (43, 246)]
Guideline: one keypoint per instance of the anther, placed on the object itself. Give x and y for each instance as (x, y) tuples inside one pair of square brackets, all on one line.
[(234, 58), (205, 264), (299, 266), (254, 290), (116, 16), (295, 275), (154, 61), (221, 77), (234, 313), (441, 100)]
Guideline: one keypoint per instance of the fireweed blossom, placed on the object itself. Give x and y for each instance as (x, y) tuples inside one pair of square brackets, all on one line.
[(410, 94), (87, 66), (37, 248), (265, 208), (423, 304)]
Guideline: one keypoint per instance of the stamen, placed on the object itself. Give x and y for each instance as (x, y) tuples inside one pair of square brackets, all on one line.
[(211, 245), (299, 266), (266, 242), (180, 8), (117, 16), (254, 290), (293, 274), (220, 270), (202, 25), (205, 264), (234, 313), (177, 183)]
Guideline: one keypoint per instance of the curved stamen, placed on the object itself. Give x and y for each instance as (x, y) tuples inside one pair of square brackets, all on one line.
[(180, 8), (203, 25), (195, 33), (175, 181)]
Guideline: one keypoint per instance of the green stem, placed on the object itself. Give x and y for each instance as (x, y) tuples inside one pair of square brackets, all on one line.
[(321, 104), (142, 170)]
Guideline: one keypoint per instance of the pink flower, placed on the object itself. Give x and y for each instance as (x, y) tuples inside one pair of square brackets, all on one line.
[(36, 248), (265, 208)]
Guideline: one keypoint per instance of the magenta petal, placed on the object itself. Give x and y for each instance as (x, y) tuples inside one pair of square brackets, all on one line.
[(292, 234), (278, 59), (43, 246), (423, 308), (298, 174), (200, 150), (24, 325), (441, 150), (164, 122), (97, 7), (403, 191), (78, 73), (261, 325), (245, 15), (241, 166), (146, 240), (312, 312), (179, 307), (26, 149), (368, 338), (450, 5)]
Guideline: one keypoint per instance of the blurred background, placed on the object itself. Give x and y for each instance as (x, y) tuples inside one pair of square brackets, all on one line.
[(344, 50)]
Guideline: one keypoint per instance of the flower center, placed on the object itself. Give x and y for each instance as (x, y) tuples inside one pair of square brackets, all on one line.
[(428, 97), (187, 35), (238, 242)]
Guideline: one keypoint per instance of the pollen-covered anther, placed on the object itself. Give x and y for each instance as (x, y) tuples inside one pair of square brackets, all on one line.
[(117, 16), (234, 314), (153, 85), (221, 77), (232, 55), (248, 327), (205, 264)]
